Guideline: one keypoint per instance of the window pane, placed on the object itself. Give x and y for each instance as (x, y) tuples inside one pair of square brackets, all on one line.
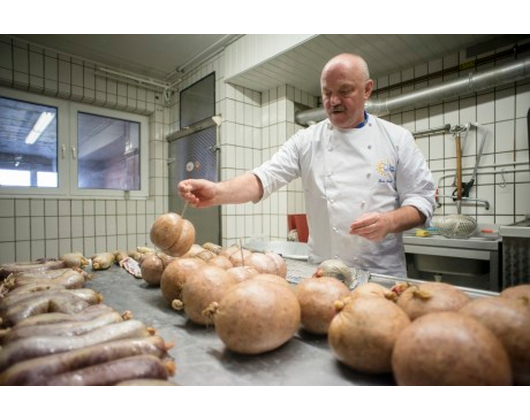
[(28, 143), (108, 153), (197, 102), (46, 179), (14, 178)]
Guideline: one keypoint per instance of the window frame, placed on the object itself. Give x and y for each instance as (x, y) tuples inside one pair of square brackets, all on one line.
[(144, 146), (191, 89), (62, 132), (67, 140)]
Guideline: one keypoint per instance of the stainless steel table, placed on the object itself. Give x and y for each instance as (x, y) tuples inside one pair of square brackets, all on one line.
[(202, 358)]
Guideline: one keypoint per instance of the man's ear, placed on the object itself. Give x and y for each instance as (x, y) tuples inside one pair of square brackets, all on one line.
[(368, 87)]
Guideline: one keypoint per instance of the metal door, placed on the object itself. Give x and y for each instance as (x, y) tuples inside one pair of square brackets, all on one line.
[(195, 156)]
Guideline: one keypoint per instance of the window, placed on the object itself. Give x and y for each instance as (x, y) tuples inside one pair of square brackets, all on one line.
[(28, 144), (109, 153), (197, 102), (15, 178), (56, 147)]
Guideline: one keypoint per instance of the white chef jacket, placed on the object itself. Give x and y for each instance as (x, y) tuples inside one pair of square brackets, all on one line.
[(349, 172)]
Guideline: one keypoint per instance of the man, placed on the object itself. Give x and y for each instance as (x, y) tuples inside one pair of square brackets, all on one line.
[(365, 181)]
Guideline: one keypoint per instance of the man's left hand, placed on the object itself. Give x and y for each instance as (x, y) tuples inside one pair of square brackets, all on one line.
[(372, 226)]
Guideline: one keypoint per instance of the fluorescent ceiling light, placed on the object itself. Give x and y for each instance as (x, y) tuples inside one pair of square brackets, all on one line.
[(44, 120)]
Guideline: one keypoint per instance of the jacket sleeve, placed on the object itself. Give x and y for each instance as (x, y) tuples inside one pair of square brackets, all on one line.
[(281, 168), (414, 180)]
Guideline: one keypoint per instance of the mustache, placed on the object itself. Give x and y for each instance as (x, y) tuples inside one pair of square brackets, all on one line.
[(337, 108)]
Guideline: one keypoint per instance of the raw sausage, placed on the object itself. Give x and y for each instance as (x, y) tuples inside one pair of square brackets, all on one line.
[(36, 370), (27, 348), (70, 279), (115, 371), (86, 314), (86, 294), (64, 329), (7, 269), (58, 302)]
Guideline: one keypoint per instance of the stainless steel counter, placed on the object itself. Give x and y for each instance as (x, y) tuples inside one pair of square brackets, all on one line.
[(201, 356), (479, 243), (520, 229)]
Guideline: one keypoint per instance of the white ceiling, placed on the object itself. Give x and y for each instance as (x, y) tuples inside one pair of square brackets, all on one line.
[(154, 56), (385, 54), (160, 56)]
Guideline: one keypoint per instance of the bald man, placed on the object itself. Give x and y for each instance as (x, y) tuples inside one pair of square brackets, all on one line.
[(364, 179)]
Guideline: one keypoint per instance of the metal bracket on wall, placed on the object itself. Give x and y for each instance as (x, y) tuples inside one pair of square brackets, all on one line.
[(201, 125)]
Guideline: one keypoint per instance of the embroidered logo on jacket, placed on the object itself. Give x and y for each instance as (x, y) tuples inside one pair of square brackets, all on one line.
[(385, 170)]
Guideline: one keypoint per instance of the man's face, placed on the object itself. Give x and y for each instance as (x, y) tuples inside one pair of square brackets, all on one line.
[(344, 93)]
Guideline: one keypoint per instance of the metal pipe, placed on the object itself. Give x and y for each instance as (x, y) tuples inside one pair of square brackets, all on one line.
[(528, 129), (488, 173), (143, 81), (478, 200), (422, 133), (474, 82), (485, 202), (310, 116), (495, 165)]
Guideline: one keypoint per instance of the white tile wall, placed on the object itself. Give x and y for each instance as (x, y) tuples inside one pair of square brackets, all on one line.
[(22, 251), (502, 112), (240, 141), (7, 227), (22, 229), (21, 207), (34, 228), (8, 250)]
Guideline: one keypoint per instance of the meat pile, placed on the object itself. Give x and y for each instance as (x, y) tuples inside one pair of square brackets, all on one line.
[(55, 331)]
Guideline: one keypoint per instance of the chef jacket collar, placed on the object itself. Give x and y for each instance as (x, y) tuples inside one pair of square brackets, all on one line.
[(363, 123)]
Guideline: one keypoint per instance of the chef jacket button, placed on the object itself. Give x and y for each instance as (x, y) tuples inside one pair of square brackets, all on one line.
[(363, 203), (368, 175), (330, 149), (369, 146)]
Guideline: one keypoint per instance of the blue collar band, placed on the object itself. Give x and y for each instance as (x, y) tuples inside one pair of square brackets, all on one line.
[(363, 123)]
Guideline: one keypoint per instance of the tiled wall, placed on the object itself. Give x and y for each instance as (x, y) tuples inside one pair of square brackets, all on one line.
[(240, 142), (254, 125), (502, 113), (48, 227), (278, 107)]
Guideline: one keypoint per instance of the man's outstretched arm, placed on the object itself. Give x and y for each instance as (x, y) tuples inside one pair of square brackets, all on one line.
[(201, 193)]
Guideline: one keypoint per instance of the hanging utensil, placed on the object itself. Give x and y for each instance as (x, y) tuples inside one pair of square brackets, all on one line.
[(458, 144), (457, 226), (528, 127), (466, 186)]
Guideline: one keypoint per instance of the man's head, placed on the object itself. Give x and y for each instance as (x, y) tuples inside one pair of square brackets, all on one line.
[(346, 86)]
